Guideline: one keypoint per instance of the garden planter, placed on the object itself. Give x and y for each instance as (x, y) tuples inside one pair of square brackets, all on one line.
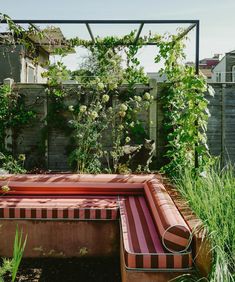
[(76, 215)]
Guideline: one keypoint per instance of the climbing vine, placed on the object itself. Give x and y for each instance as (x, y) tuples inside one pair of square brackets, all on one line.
[(101, 105), (185, 108), (13, 115)]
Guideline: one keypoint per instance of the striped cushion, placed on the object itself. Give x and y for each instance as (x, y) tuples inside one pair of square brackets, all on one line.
[(59, 207), (142, 245), (175, 234)]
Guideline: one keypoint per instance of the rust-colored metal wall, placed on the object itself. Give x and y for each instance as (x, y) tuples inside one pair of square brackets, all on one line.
[(62, 238)]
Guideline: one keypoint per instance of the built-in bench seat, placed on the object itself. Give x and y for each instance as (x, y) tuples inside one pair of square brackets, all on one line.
[(143, 248), (155, 239)]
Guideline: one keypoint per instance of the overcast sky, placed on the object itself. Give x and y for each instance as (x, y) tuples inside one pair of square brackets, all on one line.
[(217, 19)]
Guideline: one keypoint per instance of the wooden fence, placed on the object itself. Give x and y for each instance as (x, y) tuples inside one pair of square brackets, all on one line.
[(49, 148)]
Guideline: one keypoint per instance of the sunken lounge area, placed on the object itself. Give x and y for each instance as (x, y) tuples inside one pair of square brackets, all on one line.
[(68, 215)]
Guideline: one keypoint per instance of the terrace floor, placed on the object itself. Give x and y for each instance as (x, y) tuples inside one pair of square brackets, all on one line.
[(70, 270)]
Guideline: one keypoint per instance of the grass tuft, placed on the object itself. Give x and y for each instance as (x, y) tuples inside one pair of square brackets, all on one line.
[(211, 195)]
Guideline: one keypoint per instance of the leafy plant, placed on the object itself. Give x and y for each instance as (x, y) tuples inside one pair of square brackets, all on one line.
[(185, 108), (19, 246), (11, 165), (101, 106), (13, 114)]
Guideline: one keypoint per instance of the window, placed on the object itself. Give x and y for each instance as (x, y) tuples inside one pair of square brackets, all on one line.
[(30, 74), (233, 74), (218, 77)]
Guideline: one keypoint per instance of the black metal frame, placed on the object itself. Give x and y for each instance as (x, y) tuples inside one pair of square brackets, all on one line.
[(193, 24)]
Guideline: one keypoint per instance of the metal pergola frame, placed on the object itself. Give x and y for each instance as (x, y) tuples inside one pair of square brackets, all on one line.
[(192, 24)]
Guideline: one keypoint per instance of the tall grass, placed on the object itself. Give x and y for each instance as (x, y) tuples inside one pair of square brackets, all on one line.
[(212, 197)]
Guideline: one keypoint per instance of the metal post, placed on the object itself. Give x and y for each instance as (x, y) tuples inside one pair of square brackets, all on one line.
[(197, 72), (197, 47)]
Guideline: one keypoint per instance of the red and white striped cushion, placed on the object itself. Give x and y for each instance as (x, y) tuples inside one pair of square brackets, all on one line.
[(142, 245), (175, 234), (59, 207)]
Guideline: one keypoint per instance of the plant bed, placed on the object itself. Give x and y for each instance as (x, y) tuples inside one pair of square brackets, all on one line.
[(69, 270)]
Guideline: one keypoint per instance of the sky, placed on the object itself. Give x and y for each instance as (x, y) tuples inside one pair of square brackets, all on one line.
[(217, 21)]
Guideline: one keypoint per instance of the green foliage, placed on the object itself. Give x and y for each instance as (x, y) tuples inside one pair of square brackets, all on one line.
[(56, 74), (101, 105), (185, 108), (19, 246), (11, 266), (11, 165), (18, 35), (13, 113), (88, 124), (211, 195)]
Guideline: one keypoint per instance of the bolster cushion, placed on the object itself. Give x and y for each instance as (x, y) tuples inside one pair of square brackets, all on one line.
[(174, 232)]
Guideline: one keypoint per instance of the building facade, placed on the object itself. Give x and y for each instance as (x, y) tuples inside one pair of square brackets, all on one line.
[(225, 70)]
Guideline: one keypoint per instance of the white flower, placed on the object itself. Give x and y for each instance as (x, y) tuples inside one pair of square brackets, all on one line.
[(71, 108), (100, 86), (128, 139), (94, 114), (147, 96), (132, 124), (21, 157), (122, 114), (121, 127), (138, 98), (110, 109), (105, 98), (83, 108), (203, 174), (123, 108)]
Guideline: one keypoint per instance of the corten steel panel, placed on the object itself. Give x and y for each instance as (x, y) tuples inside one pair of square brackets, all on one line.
[(62, 238)]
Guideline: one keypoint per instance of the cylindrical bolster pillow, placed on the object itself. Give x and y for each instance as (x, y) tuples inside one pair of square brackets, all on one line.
[(174, 232)]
